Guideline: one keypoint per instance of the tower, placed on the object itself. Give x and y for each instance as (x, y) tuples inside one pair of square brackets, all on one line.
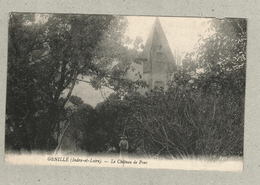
[(157, 58)]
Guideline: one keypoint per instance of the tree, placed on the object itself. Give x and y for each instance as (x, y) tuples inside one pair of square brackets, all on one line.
[(216, 73), (45, 60), (76, 100), (22, 103)]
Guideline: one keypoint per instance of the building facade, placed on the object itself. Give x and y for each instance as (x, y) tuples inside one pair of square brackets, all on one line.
[(157, 63)]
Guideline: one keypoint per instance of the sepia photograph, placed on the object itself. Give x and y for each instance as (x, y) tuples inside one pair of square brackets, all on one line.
[(125, 91)]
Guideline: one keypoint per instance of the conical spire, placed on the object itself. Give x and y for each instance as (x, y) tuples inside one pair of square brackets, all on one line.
[(157, 37)]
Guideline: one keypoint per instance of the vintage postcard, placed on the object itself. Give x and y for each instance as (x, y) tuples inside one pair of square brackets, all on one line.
[(125, 91)]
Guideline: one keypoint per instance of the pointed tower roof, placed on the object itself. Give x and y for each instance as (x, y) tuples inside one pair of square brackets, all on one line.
[(157, 34)]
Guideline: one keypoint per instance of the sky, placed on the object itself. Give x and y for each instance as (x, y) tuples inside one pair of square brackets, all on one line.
[(182, 34)]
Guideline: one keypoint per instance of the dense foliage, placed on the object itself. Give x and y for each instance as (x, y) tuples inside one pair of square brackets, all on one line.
[(47, 56)]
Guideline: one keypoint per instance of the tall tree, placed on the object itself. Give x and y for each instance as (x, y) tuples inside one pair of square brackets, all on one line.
[(45, 60)]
